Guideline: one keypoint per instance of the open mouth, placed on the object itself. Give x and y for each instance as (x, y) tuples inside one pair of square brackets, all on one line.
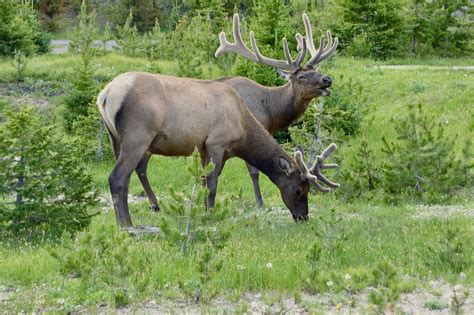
[(325, 91)]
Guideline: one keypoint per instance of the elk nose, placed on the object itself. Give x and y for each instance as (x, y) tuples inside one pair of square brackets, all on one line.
[(327, 81)]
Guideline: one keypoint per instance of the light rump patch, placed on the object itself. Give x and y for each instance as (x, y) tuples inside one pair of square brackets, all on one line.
[(110, 100)]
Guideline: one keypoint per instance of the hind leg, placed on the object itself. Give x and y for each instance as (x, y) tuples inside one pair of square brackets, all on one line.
[(141, 172), (130, 155), (115, 146)]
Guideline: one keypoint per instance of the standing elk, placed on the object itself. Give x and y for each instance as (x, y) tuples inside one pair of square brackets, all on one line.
[(156, 114), (275, 108)]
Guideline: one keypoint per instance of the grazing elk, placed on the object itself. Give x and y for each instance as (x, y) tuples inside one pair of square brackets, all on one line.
[(276, 107), (156, 114)]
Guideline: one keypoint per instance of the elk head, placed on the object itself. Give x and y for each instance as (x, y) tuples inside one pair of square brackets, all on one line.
[(295, 192), (307, 80)]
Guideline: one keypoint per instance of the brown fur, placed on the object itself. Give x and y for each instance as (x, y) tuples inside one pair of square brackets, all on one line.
[(156, 114)]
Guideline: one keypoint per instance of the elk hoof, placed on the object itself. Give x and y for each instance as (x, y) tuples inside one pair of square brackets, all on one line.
[(300, 217), (155, 208)]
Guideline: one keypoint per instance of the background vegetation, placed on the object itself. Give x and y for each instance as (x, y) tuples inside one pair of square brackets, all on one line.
[(403, 215)]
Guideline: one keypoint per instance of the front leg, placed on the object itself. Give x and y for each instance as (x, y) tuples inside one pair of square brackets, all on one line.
[(254, 174), (216, 157)]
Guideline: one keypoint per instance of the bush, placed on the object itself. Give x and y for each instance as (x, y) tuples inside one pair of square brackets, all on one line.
[(103, 259), (44, 190), (421, 162), (20, 30)]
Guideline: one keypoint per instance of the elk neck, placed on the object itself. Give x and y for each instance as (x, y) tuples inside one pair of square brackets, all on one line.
[(283, 105), (274, 107), (262, 151)]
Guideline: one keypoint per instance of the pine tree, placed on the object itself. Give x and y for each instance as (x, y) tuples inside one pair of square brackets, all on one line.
[(421, 162), (373, 25), (44, 189)]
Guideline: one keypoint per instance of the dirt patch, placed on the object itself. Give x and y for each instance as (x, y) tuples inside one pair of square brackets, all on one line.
[(438, 297), (442, 212), (22, 94), (417, 67)]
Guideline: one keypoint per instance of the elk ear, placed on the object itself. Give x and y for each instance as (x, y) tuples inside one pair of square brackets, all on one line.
[(285, 166)]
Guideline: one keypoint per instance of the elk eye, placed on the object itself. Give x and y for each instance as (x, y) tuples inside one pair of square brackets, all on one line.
[(303, 78), (298, 191)]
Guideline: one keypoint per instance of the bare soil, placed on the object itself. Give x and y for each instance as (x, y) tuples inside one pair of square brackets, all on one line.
[(438, 297)]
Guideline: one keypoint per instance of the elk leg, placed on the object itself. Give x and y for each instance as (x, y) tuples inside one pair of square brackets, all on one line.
[(141, 172), (119, 180), (254, 174), (115, 146), (212, 179)]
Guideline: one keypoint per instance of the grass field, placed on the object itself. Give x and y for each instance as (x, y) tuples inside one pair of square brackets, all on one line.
[(380, 252)]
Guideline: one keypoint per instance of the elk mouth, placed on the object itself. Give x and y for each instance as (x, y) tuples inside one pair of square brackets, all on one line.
[(325, 91)]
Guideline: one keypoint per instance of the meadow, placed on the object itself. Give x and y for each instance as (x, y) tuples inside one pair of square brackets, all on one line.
[(370, 257)]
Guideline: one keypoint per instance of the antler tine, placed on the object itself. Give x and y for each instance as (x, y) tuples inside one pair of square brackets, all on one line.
[(238, 47), (305, 173), (299, 40), (301, 55), (322, 53), (287, 51), (309, 34), (280, 64), (319, 165), (315, 58)]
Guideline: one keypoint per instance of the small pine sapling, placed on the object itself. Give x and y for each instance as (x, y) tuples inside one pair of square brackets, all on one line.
[(198, 233), (129, 39), (386, 286), (84, 89), (329, 241), (105, 259), (20, 62), (421, 162), (362, 173)]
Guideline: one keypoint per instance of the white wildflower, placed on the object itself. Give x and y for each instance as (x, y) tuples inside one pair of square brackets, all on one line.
[(329, 283), (347, 277), (269, 265)]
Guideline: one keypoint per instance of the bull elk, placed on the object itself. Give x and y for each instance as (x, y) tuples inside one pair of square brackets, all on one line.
[(277, 107), (156, 114)]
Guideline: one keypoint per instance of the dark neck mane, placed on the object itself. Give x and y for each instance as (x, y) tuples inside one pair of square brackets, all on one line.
[(261, 150)]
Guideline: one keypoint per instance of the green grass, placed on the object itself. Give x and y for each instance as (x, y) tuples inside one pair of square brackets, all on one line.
[(414, 240), (374, 234)]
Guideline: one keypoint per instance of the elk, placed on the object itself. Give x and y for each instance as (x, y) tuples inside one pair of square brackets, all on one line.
[(277, 108), (274, 107), (148, 114)]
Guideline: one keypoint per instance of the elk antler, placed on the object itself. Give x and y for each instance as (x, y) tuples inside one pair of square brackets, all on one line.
[(314, 172), (322, 53), (240, 48)]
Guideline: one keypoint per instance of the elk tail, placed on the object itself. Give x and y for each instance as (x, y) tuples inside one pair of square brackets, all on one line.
[(101, 103)]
